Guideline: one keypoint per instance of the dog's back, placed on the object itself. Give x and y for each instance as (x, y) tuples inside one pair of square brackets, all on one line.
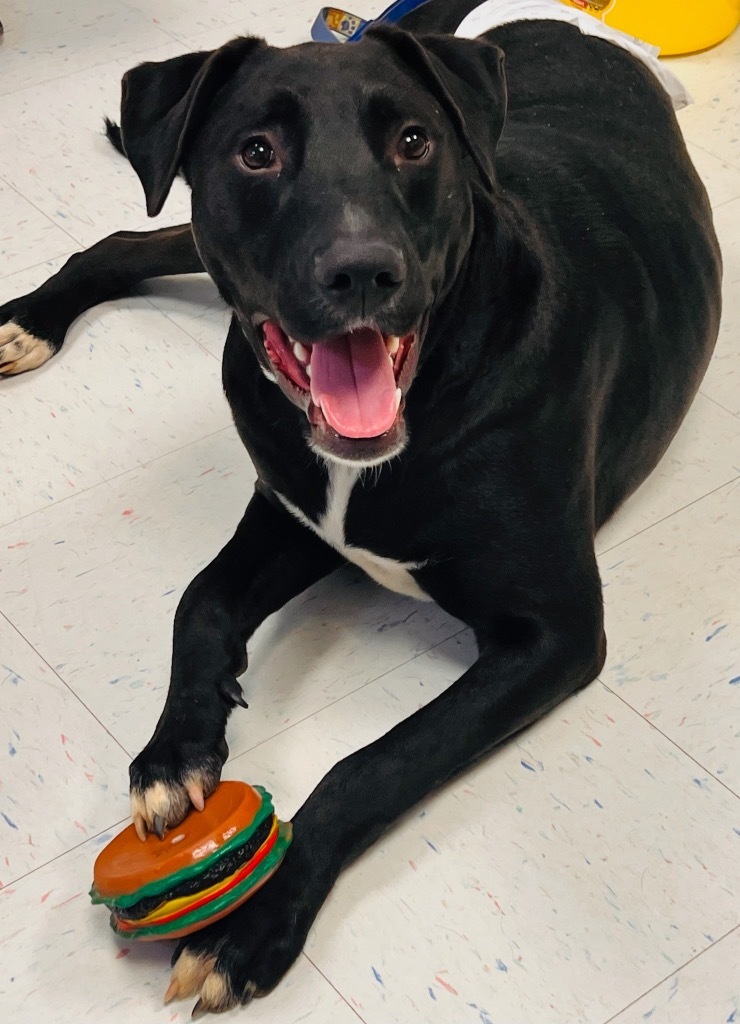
[(592, 151)]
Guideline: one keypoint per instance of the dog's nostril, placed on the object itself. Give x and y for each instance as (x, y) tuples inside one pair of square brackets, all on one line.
[(386, 280), (341, 283)]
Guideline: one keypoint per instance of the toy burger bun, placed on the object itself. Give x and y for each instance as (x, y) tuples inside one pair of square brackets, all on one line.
[(204, 868)]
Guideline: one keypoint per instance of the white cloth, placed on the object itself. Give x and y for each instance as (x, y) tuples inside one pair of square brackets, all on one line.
[(494, 13)]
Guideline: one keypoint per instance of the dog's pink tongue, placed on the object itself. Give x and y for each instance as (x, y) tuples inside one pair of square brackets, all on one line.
[(352, 382)]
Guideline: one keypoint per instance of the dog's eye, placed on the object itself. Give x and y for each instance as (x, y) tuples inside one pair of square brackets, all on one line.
[(413, 144), (258, 154)]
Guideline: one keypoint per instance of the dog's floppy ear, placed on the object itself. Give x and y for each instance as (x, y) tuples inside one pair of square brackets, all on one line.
[(466, 77), (161, 105)]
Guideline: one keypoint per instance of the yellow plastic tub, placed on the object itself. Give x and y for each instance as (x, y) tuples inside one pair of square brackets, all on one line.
[(676, 26)]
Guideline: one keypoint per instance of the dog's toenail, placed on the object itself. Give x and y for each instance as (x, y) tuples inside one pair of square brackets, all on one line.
[(172, 991)]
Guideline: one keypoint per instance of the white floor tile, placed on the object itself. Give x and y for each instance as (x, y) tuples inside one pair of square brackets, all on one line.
[(45, 40), (27, 236), (61, 161), (553, 883), (193, 303), (63, 777), (93, 583), (127, 387), (183, 18), (704, 455), (707, 989), (722, 382), (205, 26), (281, 24), (672, 598), (61, 964), (713, 120), (722, 180)]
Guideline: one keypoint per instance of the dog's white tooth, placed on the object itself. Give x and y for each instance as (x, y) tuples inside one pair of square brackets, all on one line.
[(308, 370), (393, 344), (300, 352), (399, 396)]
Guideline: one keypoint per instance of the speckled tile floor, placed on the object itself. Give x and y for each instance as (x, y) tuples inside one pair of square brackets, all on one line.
[(588, 873)]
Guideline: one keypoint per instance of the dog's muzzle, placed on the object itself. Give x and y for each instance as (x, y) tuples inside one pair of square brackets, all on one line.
[(351, 387)]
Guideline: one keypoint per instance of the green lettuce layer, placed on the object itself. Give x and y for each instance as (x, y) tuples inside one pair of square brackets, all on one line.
[(201, 916)]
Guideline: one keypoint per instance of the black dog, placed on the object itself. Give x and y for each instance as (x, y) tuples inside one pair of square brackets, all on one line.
[(506, 314)]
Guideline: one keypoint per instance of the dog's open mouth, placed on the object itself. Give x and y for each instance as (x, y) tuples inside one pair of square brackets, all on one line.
[(350, 385)]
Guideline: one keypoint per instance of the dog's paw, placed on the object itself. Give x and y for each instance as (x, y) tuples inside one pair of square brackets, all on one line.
[(169, 778), (247, 953), (21, 351)]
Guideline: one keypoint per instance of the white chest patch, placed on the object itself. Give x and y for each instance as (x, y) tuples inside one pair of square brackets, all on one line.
[(330, 527)]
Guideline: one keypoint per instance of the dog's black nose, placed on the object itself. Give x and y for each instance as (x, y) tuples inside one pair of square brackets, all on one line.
[(353, 269)]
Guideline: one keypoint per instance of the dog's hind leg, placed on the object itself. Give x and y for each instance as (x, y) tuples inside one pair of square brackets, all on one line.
[(33, 327)]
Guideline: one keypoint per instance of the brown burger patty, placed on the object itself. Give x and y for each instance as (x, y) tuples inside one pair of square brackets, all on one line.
[(214, 871)]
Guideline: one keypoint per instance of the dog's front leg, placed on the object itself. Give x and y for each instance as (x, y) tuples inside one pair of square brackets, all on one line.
[(270, 559), (521, 673)]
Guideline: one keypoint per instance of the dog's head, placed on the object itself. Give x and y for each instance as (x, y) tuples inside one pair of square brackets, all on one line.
[(332, 197)]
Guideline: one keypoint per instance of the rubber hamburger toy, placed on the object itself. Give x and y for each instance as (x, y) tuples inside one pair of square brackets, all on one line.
[(201, 871)]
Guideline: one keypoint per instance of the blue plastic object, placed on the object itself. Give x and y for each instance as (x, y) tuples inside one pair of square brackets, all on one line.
[(333, 25)]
